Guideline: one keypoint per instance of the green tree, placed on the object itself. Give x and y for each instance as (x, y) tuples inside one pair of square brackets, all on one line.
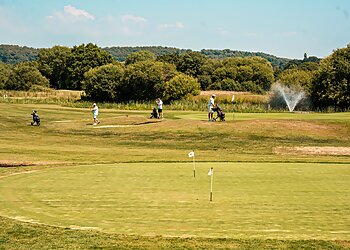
[(263, 74), (229, 84), (5, 72), (139, 56), (303, 64), (103, 83), (331, 85), (191, 63), (244, 73), (207, 73), (178, 87), (25, 76), (297, 77), (220, 73), (169, 58), (53, 65), (141, 79), (250, 71), (83, 58), (310, 66)]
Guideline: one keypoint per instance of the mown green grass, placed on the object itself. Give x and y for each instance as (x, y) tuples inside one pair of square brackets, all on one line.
[(136, 179), (282, 201)]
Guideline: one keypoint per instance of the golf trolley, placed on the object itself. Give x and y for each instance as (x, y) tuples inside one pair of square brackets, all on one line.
[(219, 114), (36, 119)]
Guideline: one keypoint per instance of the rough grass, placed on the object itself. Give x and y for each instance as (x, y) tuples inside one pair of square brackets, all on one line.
[(16, 235), (245, 102)]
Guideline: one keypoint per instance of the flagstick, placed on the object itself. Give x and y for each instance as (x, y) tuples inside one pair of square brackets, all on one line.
[(211, 184), (233, 110), (194, 166)]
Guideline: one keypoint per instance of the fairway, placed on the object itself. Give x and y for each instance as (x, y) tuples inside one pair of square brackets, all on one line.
[(283, 201), (279, 176)]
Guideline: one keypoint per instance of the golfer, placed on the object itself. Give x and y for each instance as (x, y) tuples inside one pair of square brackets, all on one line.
[(211, 105), (95, 114), (160, 107)]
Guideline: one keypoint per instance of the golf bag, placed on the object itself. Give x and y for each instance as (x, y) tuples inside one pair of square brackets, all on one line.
[(36, 119), (219, 114), (154, 114)]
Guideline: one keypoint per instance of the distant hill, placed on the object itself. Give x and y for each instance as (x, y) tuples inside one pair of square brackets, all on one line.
[(221, 54), (13, 54), (120, 53)]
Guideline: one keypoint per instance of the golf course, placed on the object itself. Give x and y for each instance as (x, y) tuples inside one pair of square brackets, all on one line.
[(280, 180)]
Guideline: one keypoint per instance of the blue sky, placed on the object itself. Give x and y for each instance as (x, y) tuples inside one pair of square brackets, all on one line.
[(285, 28)]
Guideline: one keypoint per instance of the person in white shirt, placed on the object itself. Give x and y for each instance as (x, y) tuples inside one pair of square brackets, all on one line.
[(211, 105), (160, 107), (95, 114)]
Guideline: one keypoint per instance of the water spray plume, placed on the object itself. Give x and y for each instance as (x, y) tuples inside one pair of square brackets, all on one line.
[(290, 95)]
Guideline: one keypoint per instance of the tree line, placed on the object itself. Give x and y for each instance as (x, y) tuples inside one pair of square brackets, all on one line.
[(14, 54), (144, 75)]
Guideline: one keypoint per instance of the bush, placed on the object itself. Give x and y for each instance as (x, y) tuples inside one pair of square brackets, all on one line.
[(103, 83), (180, 86), (250, 86), (5, 72), (24, 76), (141, 79)]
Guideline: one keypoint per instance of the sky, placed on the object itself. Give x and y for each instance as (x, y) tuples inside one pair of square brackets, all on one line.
[(284, 28)]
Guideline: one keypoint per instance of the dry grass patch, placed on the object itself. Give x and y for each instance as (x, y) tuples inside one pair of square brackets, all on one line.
[(9, 163), (240, 97), (313, 150), (287, 127)]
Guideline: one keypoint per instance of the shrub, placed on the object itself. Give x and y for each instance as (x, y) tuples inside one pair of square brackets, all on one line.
[(5, 72), (141, 79), (24, 76), (103, 83), (180, 86), (251, 87)]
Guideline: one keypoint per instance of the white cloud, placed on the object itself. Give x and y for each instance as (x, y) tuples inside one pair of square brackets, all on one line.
[(132, 25), (133, 19), (70, 13), (177, 25), (70, 10)]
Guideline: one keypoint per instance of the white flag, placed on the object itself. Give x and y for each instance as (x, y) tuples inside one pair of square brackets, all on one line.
[(210, 171), (191, 154)]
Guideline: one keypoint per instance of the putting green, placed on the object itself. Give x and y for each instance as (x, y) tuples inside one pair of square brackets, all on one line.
[(267, 200)]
